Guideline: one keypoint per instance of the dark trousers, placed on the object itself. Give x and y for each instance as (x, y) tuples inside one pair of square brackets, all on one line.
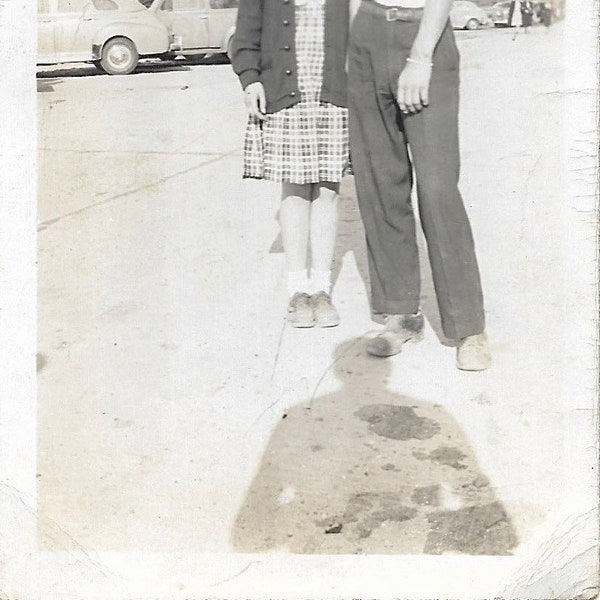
[(380, 139)]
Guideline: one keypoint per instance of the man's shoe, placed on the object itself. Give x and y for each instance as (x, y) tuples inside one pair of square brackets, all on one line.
[(473, 353), (324, 311), (398, 330), (300, 311)]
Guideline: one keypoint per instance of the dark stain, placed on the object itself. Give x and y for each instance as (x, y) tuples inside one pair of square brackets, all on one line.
[(316, 448), (444, 455), (335, 528), (370, 510), (472, 530), (426, 496), (397, 422), (40, 362), (481, 481)]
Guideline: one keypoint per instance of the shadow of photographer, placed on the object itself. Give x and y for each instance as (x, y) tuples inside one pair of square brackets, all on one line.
[(365, 470)]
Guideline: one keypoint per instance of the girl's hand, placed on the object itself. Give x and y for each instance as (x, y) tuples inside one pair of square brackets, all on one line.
[(256, 101), (413, 87)]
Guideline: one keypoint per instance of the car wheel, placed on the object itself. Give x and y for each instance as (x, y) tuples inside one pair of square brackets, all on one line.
[(119, 56), (472, 24)]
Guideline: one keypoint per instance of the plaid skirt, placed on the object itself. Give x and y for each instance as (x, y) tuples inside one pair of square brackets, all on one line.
[(307, 142)]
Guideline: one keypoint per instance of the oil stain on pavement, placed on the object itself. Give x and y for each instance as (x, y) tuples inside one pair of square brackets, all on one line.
[(365, 470)]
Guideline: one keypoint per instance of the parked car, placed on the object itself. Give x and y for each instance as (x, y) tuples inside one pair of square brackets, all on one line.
[(467, 15), (199, 26), (112, 34), (498, 13), (115, 34)]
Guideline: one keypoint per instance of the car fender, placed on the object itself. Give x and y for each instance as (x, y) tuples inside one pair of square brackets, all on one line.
[(483, 17), (457, 20), (149, 38)]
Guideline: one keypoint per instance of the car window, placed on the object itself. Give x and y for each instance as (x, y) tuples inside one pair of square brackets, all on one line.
[(43, 6), (224, 3), (105, 5), (72, 6)]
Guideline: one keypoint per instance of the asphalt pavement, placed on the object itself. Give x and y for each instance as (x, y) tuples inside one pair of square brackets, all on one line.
[(178, 411)]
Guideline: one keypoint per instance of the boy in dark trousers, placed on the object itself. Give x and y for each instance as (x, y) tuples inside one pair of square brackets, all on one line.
[(403, 78)]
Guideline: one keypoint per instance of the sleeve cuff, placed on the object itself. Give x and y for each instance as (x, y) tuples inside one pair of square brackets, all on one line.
[(248, 77)]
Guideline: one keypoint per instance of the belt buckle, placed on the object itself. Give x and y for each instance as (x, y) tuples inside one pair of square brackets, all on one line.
[(395, 14), (391, 14)]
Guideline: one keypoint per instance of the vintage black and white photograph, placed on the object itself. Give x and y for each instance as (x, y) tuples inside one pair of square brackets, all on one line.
[(310, 290)]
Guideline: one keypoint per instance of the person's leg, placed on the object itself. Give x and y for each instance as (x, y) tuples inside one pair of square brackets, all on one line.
[(433, 139), (294, 220), (383, 175), (383, 172), (323, 229)]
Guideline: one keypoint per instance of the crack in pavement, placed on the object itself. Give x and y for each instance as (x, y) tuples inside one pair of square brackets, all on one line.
[(45, 224), (329, 367), (276, 361)]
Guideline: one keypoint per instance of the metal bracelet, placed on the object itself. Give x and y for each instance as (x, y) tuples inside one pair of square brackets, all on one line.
[(419, 62)]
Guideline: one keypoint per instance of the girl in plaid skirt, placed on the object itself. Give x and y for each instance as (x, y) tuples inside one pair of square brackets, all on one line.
[(297, 134)]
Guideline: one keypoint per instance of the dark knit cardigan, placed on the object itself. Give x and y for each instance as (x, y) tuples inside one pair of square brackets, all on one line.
[(263, 50)]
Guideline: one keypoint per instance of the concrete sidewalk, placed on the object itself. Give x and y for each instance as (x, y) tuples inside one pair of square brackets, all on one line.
[(178, 412)]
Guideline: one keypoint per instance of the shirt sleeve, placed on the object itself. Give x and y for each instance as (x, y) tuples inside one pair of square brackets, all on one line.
[(245, 51)]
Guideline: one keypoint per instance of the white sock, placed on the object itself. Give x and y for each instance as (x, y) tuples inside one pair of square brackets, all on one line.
[(320, 281), (297, 281)]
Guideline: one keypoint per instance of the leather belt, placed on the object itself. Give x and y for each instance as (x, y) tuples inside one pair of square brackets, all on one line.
[(392, 13)]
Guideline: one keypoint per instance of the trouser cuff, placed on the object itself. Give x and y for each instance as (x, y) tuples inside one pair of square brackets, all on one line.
[(395, 307)]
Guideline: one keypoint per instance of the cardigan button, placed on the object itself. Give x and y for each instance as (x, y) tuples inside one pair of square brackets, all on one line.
[(286, 22), (293, 94), (288, 72), (287, 47)]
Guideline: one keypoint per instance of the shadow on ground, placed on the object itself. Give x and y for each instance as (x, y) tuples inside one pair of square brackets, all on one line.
[(86, 70), (367, 471), (145, 66)]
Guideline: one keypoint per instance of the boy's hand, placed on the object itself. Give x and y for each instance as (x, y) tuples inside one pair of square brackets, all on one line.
[(256, 100), (413, 87)]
